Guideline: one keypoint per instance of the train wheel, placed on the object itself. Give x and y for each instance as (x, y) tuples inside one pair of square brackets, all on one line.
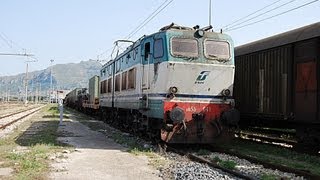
[(103, 115)]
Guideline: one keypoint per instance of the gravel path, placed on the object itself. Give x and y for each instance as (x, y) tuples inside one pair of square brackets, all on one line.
[(96, 157)]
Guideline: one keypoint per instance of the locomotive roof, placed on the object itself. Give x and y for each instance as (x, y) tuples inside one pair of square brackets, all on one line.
[(303, 33), (171, 27)]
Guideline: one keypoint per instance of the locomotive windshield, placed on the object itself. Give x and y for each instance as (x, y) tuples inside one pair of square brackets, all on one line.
[(217, 50), (182, 47)]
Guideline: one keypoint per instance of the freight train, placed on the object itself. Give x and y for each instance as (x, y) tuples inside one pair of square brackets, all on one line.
[(175, 85), (277, 83)]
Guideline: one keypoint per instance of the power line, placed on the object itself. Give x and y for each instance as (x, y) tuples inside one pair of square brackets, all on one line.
[(298, 7), (6, 41), (151, 18), (9, 42), (260, 15), (127, 37), (250, 14), (143, 23)]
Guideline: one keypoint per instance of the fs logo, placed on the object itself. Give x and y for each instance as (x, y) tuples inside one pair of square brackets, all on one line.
[(202, 76)]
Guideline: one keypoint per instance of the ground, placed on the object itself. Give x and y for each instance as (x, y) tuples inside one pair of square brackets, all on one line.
[(97, 157), (38, 147)]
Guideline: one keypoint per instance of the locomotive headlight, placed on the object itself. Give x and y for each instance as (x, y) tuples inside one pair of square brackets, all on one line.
[(200, 32), (226, 92), (173, 90), (177, 115)]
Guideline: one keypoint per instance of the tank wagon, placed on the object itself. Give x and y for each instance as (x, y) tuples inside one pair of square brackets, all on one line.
[(276, 82), (176, 84)]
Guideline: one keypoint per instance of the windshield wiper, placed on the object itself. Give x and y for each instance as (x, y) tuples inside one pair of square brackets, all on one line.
[(185, 58), (217, 58), (213, 56)]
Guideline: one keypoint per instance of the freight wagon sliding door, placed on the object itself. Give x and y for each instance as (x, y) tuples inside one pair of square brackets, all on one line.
[(305, 92)]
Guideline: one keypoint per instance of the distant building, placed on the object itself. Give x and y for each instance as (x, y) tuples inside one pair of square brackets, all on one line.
[(58, 94)]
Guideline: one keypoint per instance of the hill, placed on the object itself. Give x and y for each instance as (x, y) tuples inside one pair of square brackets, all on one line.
[(64, 76)]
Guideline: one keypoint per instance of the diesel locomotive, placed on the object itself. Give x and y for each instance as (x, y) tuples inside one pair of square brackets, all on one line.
[(175, 84)]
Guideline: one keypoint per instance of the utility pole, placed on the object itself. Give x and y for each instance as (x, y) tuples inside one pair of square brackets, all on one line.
[(40, 92), (7, 92), (26, 85), (26, 80), (51, 90)]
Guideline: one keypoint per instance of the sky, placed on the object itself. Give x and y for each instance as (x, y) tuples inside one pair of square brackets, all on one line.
[(78, 30)]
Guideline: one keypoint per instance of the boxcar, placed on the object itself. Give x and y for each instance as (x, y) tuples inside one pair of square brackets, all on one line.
[(276, 80)]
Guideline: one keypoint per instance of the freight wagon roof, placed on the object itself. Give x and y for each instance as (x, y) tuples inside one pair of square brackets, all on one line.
[(303, 33)]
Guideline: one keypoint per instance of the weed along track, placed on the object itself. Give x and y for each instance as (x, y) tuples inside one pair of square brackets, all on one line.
[(28, 144)]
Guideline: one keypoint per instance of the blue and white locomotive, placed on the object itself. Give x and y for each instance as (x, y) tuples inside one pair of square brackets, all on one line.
[(176, 84)]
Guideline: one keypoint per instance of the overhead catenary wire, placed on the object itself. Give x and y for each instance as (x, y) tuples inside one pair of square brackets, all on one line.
[(6, 41), (240, 19), (145, 20), (254, 17), (150, 19), (298, 7), (159, 9), (9, 42)]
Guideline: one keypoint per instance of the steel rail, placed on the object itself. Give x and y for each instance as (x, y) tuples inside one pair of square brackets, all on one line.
[(11, 114), (305, 173), (24, 116), (212, 164)]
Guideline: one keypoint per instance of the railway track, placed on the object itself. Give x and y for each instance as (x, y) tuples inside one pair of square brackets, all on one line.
[(266, 139), (304, 173), (275, 138), (5, 123), (199, 159), (300, 172)]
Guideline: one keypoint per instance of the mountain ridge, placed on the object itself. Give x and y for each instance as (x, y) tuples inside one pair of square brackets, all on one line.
[(64, 77)]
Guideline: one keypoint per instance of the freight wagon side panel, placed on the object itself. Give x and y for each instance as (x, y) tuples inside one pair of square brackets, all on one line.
[(306, 83), (261, 83), (94, 89)]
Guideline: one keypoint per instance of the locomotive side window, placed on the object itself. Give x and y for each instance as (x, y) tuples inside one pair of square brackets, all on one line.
[(110, 70), (118, 65), (103, 72), (103, 86), (109, 85), (146, 50), (135, 52), (217, 49), (124, 81), (117, 83), (158, 48), (182, 47), (131, 78)]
